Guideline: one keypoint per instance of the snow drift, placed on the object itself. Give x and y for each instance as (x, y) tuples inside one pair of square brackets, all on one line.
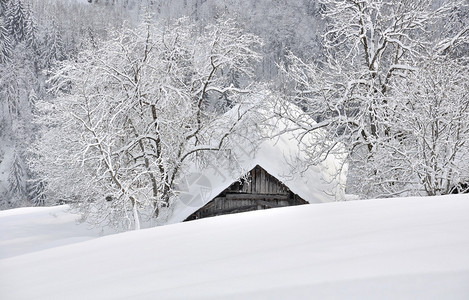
[(409, 248)]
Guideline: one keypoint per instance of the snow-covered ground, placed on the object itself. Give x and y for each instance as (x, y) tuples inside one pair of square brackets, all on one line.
[(413, 248), (30, 229)]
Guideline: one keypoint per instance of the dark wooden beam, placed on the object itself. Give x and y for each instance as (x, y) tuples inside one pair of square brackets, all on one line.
[(255, 197)]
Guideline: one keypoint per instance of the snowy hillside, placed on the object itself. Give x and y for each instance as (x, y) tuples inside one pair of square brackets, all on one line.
[(31, 229), (414, 248)]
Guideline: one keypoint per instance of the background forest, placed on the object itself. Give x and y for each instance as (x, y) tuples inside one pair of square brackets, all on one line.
[(103, 100)]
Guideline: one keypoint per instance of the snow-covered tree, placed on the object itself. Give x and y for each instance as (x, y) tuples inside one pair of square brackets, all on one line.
[(6, 44), (432, 113), (369, 46), (17, 177), (18, 20), (31, 33), (130, 114), (428, 152)]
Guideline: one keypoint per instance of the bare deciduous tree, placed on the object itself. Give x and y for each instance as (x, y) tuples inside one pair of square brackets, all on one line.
[(130, 114), (370, 46)]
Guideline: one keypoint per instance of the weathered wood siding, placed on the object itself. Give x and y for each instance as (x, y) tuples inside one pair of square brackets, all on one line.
[(258, 182), (259, 190)]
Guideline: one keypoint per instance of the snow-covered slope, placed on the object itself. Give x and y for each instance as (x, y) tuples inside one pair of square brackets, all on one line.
[(413, 248), (30, 229)]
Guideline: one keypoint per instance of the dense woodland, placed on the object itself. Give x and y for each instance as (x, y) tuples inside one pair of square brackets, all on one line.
[(103, 103)]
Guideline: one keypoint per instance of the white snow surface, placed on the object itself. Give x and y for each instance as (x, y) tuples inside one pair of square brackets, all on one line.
[(30, 229), (403, 248)]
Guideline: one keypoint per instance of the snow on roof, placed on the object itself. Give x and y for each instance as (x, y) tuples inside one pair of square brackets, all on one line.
[(279, 153)]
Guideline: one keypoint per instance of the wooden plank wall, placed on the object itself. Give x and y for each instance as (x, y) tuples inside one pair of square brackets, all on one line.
[(259, 182)]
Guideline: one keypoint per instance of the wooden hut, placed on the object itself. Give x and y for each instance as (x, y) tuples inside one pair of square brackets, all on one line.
[(258, 190)]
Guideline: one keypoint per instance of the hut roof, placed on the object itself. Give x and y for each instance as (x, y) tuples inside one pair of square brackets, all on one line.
[(281, 155)]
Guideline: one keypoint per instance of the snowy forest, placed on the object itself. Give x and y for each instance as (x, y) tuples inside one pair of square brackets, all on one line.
[(104, 103)]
